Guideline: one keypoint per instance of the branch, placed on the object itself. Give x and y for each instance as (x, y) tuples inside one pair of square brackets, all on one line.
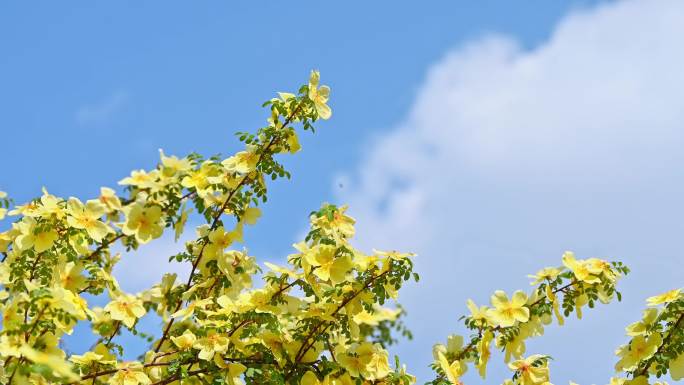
[(475, 340), (104, 245), (304, 348), (113, 371), (214, 225), (666, 340)]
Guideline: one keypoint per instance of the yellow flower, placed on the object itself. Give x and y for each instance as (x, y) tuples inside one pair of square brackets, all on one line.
[(87, 217), (6, 238), (251, 215), (512, 348), (243, 162), (234, 370), (309, 378), (638, 350), (219, 240), (402, 372), (640, 380), (49, 205), (677, 368), (141, 179), (328, 267), (395, 255), (69, 276), (641, 327), (285, 96), (338, 225), (364, 359), (354, 365), (184, 341), (319, 96), (580, 301), (454, 343), (274, 342), (505, 313), (172, 165), (10, 345), (545, 274), (189, 311), (130, 374), (40, 241), (438, 349), (180, 225), (453, 371), (126, 308), (666, 297), (484, 353), (376, 359), (109, 199), (293, 142), (555, 305), (282, 270), (602, 266), (30, 209), (89, 358), (44, 240), (584, 272), (199, 179), (145, 223), (211, 344), (379, 314), (55, 363), (528, 373), (480, 314)]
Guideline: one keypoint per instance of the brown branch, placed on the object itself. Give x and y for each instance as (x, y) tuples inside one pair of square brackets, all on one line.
[(192, 373), (238, 326), (304, 348), (246, 360), (112, 371), (114, 333), (35, 323), (104, 245), (21, 359), (283, 288), (214, 225), (188, 195), (332, 354), (209, 370)]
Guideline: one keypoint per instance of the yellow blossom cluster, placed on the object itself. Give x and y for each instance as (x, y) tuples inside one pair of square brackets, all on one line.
[(510, 320), (318, 320), (656, 347)]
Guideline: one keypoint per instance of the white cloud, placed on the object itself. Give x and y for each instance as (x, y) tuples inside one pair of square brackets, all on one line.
[(102, 111), (141, 269), (508, 157)]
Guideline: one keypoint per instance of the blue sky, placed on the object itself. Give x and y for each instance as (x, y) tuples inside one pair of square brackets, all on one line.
[(93, 89), (487, 136)]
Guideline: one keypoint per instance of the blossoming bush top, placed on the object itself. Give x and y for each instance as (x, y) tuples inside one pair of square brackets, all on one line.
[(320, 319)]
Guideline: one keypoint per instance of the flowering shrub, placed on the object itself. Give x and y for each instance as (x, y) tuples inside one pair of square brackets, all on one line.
[(321, 319)]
